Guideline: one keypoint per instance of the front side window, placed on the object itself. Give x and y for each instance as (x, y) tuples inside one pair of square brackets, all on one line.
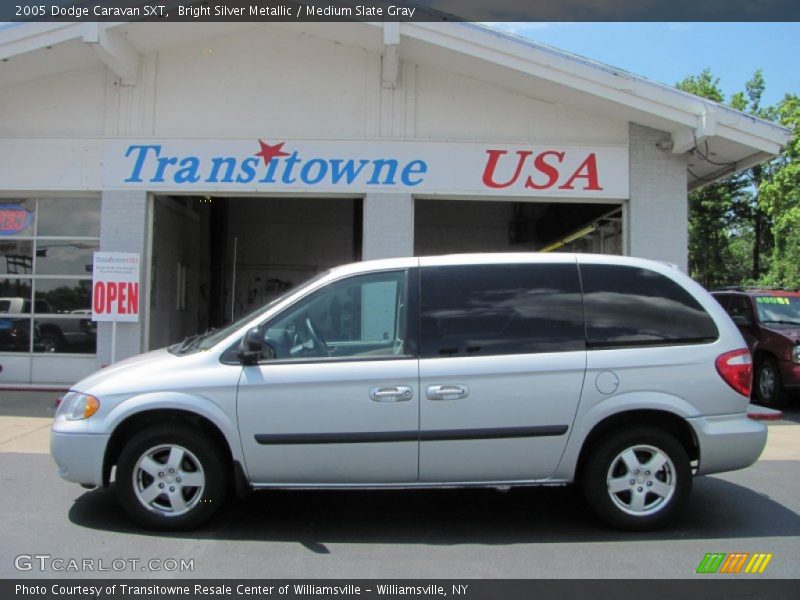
[(630, 306), (739, 306), (485, 310), (362, 316)]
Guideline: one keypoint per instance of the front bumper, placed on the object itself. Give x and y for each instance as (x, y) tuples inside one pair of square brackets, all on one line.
[(79, 456), (728, 442)]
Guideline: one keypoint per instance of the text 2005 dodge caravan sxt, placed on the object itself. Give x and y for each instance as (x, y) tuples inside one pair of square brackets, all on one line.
[(476, 370)]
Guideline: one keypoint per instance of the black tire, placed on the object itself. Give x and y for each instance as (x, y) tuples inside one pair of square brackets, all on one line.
[(51, 342), (637, 506), (201, 463), (768, 384)]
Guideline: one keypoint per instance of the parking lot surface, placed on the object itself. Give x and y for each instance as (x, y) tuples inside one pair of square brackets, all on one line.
[(524, 533)]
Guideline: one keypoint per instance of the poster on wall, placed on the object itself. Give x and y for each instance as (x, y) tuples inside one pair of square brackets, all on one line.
[(115, 286)]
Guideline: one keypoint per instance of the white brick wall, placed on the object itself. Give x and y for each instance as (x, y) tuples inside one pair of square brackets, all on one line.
[(658, 210), (123, 228), (388, 226)]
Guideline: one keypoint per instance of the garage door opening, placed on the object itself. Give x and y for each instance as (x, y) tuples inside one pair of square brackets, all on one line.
[(455, 226), (217, 258)]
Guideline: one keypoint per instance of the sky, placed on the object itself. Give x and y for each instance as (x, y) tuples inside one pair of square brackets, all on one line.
[(668, 52)]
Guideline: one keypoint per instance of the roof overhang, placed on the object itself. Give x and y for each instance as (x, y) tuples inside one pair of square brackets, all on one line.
[(718, 139)]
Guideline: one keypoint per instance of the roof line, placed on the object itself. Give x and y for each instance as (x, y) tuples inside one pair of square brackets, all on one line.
[(612, 70), (623, 84), (686, 110)]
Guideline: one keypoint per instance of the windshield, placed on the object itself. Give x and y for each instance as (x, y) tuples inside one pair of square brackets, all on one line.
[(780, 310), (212, 337)]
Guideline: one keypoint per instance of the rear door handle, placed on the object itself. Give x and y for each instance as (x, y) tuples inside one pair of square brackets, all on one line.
[(392, 393), (446, 392)]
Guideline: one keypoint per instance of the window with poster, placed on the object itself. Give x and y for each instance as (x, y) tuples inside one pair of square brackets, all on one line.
[(46, 249)]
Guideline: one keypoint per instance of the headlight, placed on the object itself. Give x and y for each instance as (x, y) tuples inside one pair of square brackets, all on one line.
[(796, 354), (75, 406)]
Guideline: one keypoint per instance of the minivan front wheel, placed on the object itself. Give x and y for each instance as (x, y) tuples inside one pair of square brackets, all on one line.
[(170, 477), (638, 480)]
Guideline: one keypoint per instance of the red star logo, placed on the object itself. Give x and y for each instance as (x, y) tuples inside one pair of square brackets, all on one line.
[(269, 152)]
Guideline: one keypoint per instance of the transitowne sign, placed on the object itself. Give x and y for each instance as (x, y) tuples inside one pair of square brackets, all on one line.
[(260, 164)]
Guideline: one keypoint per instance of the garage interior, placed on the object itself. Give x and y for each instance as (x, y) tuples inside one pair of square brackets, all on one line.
[(453, 226), (217, 258)]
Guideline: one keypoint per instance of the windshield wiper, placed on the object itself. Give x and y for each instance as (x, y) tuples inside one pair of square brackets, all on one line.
[(191, 341), (187, 342), (781, 322)]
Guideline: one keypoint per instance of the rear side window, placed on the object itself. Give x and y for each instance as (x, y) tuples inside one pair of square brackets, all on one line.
[(484, 310), (629, 306)]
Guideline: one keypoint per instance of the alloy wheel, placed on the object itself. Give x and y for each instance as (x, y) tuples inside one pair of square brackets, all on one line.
[(168, 479), (641, 480), (766, 383)]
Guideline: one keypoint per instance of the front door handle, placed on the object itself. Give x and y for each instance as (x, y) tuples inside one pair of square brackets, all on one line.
[(446, 392), (391, 393)]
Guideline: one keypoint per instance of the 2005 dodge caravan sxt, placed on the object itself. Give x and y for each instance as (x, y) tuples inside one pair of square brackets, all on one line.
[(490, 370)]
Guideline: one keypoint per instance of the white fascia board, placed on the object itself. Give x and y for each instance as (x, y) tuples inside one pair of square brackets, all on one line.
[(114, 50), (549, 63), (110, 45), (740, 165), (593, 78), (753, 140), (35, 36)]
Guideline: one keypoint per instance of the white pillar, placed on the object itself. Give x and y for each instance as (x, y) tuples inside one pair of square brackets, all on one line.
[(388, 226), (123, 228), (658, 222)]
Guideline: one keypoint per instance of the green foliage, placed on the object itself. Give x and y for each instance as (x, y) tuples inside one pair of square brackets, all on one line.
[(741, 228), (779, 195), (713, 209), (704, 85)]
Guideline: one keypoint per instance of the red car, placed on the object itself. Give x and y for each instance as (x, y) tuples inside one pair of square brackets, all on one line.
[(769, 320)]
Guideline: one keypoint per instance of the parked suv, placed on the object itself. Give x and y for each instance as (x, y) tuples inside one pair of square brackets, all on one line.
[(475, 370), (769, 320)]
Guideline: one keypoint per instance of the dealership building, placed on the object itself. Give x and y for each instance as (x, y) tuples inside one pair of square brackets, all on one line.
[(239, 159)]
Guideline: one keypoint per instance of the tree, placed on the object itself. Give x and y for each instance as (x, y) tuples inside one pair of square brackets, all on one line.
[(750, 101), (713, 209), (742, 229), (779, 195)]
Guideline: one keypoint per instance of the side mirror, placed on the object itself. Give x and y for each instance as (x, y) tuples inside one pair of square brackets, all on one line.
[(253, 348), (742, 321)]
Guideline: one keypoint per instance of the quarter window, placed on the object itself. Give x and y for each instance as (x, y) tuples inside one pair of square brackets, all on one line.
[(629, 306), (484, 310)]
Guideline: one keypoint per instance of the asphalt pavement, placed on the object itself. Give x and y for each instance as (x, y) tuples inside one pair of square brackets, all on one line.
[(50, 525)]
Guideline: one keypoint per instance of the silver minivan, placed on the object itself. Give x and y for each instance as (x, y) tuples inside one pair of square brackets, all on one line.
[(620, 374)]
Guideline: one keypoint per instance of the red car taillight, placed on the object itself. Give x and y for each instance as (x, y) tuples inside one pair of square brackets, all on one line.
[(736, 368)]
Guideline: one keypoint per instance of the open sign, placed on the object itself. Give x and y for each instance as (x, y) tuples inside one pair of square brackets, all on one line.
[(109, 297), (115, 286)]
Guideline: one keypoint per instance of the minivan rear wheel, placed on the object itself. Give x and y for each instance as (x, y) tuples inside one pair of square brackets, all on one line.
[(170, 477), (639, 479)]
